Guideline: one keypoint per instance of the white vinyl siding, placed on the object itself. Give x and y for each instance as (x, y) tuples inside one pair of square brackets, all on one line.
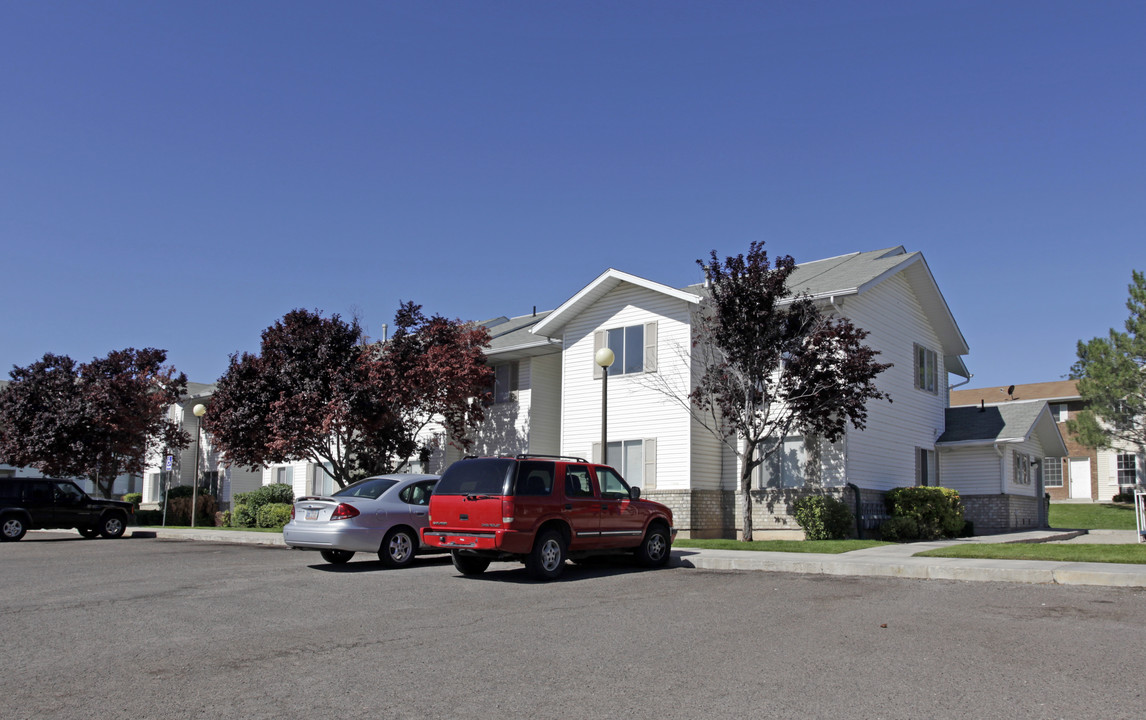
[(638, 408), (971, 471), (883, 455)]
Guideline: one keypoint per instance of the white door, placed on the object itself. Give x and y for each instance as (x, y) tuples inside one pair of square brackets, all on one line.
[(1080, 478)]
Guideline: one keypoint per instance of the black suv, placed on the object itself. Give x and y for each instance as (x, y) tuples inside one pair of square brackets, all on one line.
[(43, 503)]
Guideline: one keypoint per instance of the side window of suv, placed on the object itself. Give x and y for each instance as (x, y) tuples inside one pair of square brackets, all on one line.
[(577, 483), (534, 477), (612, 486)]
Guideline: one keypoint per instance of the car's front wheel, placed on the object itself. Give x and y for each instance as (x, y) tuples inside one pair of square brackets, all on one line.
[(12, 528), (548, 557), (655, 548), (469, 564), (337, 557), (89, 532), (112, 526), (398, 548)]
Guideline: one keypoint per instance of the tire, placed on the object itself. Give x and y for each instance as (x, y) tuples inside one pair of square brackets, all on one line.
[(12, 528), (398, 548), (469, 564), (89, 532), (112, 526), (337, 557), (547, 559), (656, 548)]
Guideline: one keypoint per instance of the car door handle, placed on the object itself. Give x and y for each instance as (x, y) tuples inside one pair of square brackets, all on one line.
[(568, 506), (604, 508), (420, 514)]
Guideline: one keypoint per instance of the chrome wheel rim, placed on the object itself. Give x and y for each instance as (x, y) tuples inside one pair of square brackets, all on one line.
[(400, 547), (657, 546), (113, 526), (12, 528), (550, 555)]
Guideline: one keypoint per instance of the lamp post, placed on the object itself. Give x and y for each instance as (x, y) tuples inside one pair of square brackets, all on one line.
[(200, 410), (604, 357)]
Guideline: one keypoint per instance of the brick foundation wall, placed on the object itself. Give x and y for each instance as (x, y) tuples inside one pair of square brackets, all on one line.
[(1001, 512)]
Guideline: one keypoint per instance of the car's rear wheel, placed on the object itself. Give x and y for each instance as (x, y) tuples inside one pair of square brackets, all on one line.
[(112, 526), (655, 548), (12, 528), (469, 564), (337, 557), (547, 559), (89, 532), (398, 548)]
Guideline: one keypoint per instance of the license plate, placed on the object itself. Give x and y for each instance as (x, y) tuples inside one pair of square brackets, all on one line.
[(311, 514)]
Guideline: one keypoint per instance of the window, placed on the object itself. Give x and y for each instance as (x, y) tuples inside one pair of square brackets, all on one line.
[(418, 493), (534, 477), (210, 483), (322, 479), (1127, 469), (1059, 412), (612, 486), (634, 349), (505, 382), (1052, 472), (1022, 469), (284, 475), (577, 483), (785, 468), (636, 460), (925, 471), (926, 369)]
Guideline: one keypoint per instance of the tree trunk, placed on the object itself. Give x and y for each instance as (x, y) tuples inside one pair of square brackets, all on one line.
[(746, 519)]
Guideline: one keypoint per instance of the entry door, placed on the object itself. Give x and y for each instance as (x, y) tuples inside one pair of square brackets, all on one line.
[(1080, 478)]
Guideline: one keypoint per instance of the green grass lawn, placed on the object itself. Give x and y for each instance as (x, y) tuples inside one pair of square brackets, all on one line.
[(208, 527), (832, 547), (1133, 554), (1092, 516)]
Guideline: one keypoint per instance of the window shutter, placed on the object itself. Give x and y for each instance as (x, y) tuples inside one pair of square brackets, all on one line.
[(598, 343), (651, 347), (514, 374), (650, 451), (595, 456), (915, 351)]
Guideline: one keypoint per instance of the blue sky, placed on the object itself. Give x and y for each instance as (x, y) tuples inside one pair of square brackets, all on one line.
[(180, 175)]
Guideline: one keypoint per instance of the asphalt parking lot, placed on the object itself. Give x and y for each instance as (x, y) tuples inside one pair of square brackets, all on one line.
[(146, 628)]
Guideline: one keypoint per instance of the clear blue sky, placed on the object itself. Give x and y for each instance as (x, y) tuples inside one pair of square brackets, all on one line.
[(180, 175)]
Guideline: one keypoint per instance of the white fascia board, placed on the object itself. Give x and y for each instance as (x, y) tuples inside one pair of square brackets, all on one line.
[(979, 443), (545, 343), (606, 281)]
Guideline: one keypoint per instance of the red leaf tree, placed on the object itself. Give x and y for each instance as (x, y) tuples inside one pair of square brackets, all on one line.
[(96, 420), (317, 391), (773, 365)]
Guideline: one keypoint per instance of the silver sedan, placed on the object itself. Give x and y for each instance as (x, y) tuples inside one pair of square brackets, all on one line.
[(383, 514)]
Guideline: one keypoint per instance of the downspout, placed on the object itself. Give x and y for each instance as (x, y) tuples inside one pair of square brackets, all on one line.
[(1002, 469), (961, 384), (859, 510)]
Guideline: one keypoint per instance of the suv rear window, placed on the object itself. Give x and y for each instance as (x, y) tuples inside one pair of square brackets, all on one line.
[(477, 476)]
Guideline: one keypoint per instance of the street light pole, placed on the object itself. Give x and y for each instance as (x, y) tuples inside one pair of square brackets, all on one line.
[(604, 357), (200, 410)]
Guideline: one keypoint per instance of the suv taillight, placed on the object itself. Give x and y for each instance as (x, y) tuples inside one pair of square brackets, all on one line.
[(344, 511), (507, 511)]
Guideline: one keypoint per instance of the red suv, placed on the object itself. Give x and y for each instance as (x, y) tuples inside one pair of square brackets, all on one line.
[(541, 510)]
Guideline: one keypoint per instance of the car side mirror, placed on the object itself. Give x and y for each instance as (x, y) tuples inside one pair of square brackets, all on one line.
[(635, 493)]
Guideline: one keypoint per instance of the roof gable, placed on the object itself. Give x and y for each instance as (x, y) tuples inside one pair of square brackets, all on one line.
[(605, 283), (1012, 422)]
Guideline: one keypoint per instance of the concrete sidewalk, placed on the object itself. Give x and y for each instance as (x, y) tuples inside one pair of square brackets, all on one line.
[(883, 561)]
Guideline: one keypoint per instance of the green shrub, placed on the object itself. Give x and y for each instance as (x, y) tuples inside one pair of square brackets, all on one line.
[(1124, 497), (242, 516), (273, 493), (823, 517), (178, 491), (900, 528), (223, 519), (148, 517), (274, 515), (179, 510), (937, 511), (133, 498)]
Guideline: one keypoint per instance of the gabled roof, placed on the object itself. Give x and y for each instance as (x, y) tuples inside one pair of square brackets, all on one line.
[(1011, 422), (552, 325), (512, 338), (1055, 391)]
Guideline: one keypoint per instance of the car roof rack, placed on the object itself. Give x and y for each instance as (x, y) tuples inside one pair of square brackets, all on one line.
[(528, 456)]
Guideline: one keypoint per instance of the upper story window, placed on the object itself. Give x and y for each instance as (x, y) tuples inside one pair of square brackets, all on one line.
[(1059, 412), (634, 349), (926, 369), (505, 379)]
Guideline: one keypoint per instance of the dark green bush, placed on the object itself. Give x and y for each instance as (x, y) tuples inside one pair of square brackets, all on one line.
[(823, 517), (179, 510), (133, 498), (899, 528), (178, 491), (937, 511), (148, 517), (1124, 497), (274, 515)]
